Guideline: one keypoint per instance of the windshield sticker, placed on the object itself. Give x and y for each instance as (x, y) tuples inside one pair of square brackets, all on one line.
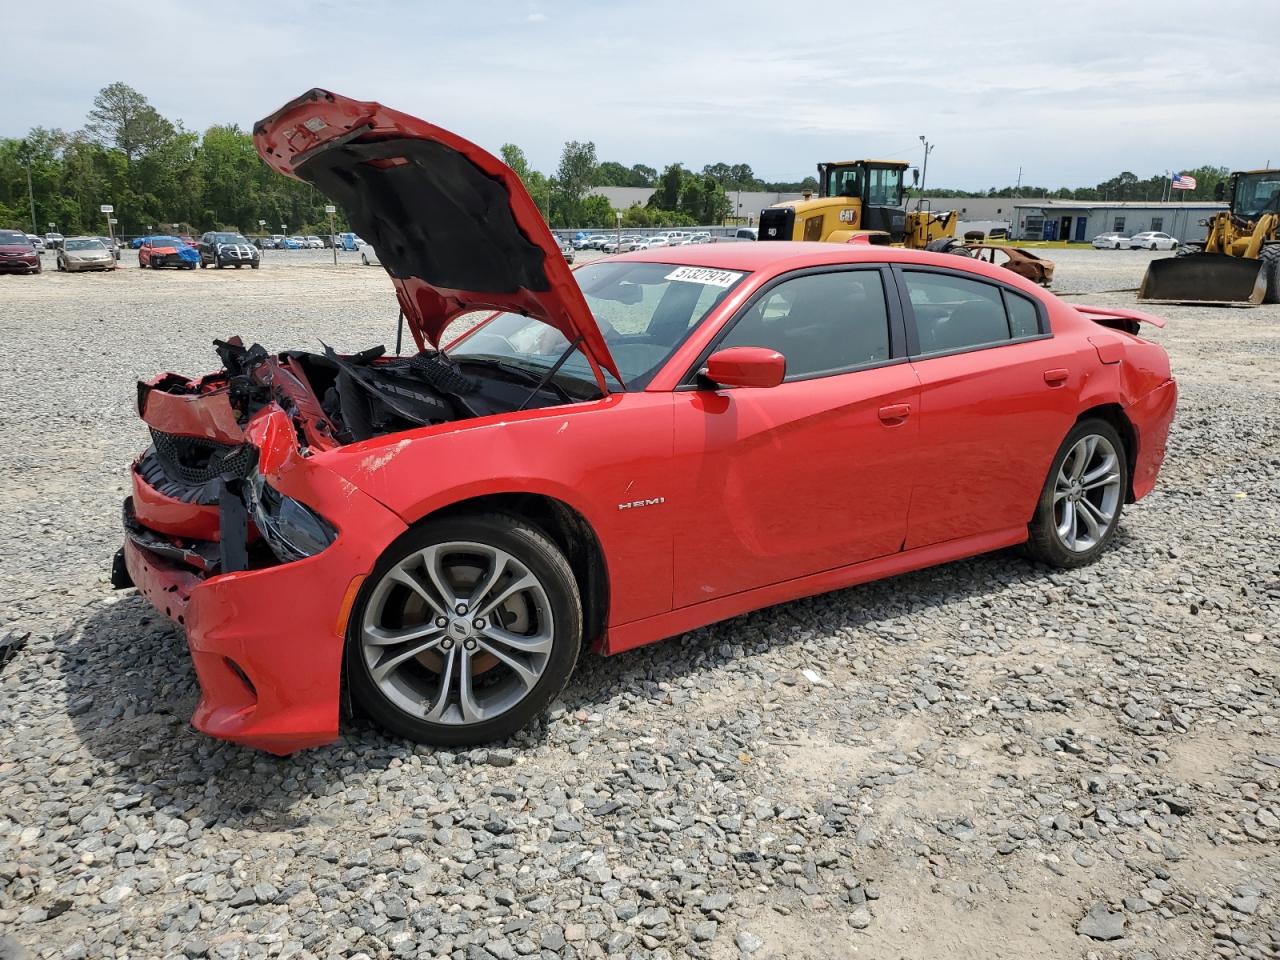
[(704, 275)]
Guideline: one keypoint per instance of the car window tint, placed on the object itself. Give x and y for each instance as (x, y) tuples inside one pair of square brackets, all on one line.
[(1023, 319), (821, 323), (953, 313)]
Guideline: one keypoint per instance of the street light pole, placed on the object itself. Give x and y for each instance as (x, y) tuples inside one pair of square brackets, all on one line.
[(924, 170), (32, 197), (330, 209)]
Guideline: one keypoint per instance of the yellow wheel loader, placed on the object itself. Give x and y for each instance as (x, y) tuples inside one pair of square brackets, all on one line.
[(858, 199), (1239, 262)]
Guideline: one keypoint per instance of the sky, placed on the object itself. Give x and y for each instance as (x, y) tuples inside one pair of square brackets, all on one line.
[(1072, 94)]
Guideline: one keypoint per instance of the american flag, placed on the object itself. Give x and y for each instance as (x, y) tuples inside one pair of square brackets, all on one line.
[(1182, 181)]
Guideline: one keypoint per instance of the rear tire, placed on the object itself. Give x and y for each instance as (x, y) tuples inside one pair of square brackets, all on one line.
[(500, 685), (947, 245), (1082, 498), (1270, 258)]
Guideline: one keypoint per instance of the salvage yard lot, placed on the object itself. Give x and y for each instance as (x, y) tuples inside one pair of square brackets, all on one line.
[(964, 761)]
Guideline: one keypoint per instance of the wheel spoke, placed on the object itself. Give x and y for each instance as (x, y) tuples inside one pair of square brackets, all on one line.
[(1067, 528), (539, 643), (382, 637), (471, 711), (385, 667), (431, 562), (498, 562), (403, 576), (441, 703), (527, 581), (1102, 472), (527, 676), (1089, 520), (1091, 509)]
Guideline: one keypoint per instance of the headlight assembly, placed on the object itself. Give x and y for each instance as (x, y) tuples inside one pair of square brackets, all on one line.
[(291, 529)]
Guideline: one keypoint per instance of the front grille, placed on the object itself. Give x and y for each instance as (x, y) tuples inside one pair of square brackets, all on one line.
[(194, 460)]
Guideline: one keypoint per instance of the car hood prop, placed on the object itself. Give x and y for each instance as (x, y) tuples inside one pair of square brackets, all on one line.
[(452, 224)]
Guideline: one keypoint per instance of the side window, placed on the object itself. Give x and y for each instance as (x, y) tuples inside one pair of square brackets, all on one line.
[(1023, 319), (822, 323), (953, 313)]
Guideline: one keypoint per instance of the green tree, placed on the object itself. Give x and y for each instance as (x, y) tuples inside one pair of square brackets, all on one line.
[(514, 158), (123, 118), (574, 177), (667, 194)]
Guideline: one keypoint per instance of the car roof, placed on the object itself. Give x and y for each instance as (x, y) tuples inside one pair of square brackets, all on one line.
[(773, 256)]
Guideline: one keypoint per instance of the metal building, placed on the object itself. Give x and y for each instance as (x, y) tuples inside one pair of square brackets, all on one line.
[(1082, 220)]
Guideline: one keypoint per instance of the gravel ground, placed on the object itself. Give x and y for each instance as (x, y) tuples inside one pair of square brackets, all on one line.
[(987, 759)]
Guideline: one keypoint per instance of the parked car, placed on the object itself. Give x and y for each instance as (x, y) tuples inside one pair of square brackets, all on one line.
[(1111, 241), (53, 241), (369, 256), (78, 254), (269, 243), (224, 249), (112, 244), (581, 243), (137, 242), (18, 254), (288, 243), (649, 243), (1035, 268), (624, 244), (598, 241), (349, 241), (36, 241), (702, 431), (1152, 240), (314, 242), (566, 249), (165, 251)]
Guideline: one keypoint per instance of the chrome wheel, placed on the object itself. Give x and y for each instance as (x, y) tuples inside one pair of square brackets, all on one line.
[(1086, 493), (457, 633)]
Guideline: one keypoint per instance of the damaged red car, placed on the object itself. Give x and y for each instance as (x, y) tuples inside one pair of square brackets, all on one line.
[(652, 443)]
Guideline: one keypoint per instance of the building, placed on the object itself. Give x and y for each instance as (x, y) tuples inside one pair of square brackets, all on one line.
[(1082, 220), (976, 213)]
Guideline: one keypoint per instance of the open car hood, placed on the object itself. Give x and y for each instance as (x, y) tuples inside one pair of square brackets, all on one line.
[(452, 224)]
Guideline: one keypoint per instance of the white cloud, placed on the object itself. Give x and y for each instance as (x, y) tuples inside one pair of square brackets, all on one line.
[(1071, 99)]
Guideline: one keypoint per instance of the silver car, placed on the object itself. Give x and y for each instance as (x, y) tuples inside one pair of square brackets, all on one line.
[(84, 253), (369, 256)]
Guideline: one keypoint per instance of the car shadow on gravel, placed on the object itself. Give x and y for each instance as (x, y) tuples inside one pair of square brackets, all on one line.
[(131, 689)]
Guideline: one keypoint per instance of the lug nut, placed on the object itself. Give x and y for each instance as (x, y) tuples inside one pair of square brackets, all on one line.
[(446, 644), (479, 623), (470, 644), (441, 622), (461, 608)]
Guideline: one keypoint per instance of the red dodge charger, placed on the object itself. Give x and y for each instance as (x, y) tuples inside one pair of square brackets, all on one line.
[(654, 442)]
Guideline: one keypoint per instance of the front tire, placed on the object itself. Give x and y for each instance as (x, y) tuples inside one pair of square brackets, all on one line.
[(466, 630), (1270, 258), (1080, 504)]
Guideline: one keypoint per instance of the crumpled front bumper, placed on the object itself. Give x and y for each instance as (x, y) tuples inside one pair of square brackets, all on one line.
[(267, 643)]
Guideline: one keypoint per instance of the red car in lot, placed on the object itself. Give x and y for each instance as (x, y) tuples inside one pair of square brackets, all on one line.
[(157, 252), (654, 442)]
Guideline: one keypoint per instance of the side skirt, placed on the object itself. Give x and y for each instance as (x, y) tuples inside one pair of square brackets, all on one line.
[(640, 632)]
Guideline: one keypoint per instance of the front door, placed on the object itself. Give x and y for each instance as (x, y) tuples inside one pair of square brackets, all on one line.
[(1081, 225), (1065, 231), (812, 474)]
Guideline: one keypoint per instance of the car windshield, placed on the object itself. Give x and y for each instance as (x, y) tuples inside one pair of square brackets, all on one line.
[(228, 238), (84, 245), (644, 311), (165, 242), (12, 237)]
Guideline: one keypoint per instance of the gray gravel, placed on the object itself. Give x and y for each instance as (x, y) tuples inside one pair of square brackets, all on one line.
[(994, 760)]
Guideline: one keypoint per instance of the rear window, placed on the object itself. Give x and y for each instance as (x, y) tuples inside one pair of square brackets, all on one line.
[(955, 313)]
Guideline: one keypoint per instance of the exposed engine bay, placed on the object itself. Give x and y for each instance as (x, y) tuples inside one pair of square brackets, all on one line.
[(336, 399)]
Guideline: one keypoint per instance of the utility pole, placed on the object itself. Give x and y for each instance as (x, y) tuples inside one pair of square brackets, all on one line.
[(330, 209), (32, 197), (924, 170), (1017, 191)]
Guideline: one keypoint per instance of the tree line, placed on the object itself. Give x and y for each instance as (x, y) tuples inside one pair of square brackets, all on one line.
[(159, 175)]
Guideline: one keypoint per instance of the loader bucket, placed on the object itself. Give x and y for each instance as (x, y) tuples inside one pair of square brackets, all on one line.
[(1204, 278)]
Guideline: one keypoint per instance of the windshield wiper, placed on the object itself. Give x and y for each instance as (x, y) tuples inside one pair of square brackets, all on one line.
[(528, 376)]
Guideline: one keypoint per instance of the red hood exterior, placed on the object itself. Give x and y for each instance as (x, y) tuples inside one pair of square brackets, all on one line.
[(452, 224)]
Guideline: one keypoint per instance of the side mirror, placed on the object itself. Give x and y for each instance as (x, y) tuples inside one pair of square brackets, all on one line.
[(1219, 190), (745, 367)]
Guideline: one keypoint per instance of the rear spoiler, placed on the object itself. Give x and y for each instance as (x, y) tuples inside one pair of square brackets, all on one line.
[(1118, 318)]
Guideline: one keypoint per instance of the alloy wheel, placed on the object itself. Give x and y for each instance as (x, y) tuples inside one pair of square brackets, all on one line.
[(1086, 493), (457, 633)]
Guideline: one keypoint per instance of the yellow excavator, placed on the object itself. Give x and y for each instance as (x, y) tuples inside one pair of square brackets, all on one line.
[(859, 200), (1239, 261)]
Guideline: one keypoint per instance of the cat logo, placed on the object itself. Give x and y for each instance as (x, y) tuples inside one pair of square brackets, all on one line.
[(652, 502), (849, 215)]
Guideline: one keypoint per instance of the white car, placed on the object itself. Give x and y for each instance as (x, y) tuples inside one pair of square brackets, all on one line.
[(1111, 241), (614, 245), (369, 256), (37, 242), (1152, 240), (314, 242), (648, 243)]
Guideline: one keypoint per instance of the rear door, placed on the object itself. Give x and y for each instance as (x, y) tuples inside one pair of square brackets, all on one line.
[(998, 394), (809, 475)]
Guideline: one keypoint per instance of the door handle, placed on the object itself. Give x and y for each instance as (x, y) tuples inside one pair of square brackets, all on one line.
[(1056, 377), (895, 413)]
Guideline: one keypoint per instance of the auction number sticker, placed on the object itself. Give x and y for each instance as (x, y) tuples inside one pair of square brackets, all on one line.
[(705, 275)]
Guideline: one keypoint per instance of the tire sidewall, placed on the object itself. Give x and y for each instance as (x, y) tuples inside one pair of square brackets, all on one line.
[(1044, 541), (532, 548)]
